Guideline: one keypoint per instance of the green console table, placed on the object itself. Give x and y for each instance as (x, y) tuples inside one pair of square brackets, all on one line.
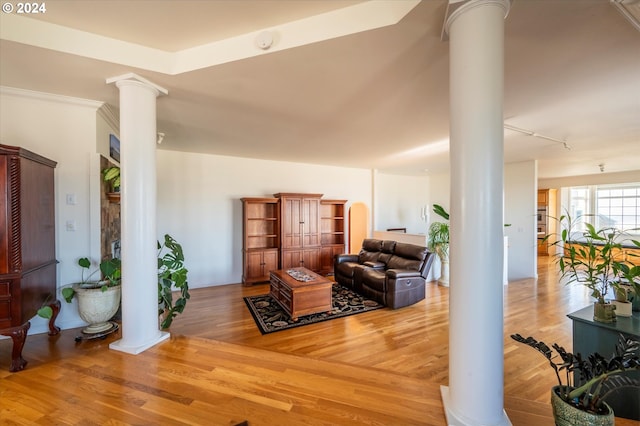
[(591, 336)]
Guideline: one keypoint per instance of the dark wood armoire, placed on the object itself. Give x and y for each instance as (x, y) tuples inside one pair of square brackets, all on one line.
[(27, 245)]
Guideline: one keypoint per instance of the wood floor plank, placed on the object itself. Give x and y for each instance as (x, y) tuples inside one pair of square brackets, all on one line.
[(383, 367)]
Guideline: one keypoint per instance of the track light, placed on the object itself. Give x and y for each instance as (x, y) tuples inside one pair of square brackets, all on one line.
[(537, 135)]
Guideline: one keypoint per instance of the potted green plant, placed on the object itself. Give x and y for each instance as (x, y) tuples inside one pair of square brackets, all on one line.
[(111, 175), (593, 258), (579, 399), (98, 301), (171, 274), (438, 242)]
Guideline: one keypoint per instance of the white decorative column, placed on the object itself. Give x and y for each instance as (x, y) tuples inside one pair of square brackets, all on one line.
[(140, 328), (475, 395)]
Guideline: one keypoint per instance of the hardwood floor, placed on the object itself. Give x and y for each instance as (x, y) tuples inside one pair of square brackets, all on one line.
[(383, 367)]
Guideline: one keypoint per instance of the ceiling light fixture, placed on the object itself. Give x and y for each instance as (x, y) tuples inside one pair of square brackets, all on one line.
[(537, 135), (630, 9)]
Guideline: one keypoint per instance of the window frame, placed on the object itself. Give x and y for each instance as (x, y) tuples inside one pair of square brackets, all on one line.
[(593, 207)]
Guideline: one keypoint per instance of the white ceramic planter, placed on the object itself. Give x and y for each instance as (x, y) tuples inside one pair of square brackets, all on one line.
[(623, 309), (444, 274), (97, 307)]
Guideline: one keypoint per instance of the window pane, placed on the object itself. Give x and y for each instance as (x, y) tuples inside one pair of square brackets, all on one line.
[(615, 205)]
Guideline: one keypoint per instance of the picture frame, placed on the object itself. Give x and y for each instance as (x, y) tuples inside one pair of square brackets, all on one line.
[(114, 147)]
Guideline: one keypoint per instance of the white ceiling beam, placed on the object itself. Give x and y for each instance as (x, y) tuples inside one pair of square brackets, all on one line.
[(337, 23)]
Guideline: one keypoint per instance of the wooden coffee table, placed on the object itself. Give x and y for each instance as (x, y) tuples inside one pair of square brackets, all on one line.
[(300, 298)]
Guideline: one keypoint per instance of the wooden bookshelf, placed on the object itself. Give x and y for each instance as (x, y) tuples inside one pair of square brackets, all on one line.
[(261, 234), (332, 236)]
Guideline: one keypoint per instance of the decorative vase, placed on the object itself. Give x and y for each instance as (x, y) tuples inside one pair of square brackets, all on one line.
[(604, 312), (566, 414), (97, 307)]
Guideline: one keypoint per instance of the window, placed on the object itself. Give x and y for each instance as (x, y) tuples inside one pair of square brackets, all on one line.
[(579, 205), (616, 206)]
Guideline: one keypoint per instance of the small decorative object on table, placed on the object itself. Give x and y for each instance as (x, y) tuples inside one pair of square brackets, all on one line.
[(300, 274)]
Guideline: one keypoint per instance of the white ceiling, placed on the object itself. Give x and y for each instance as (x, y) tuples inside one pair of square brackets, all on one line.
[(346, 83)]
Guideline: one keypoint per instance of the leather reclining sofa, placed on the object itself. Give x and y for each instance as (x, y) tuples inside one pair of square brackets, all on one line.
[(391, 273)]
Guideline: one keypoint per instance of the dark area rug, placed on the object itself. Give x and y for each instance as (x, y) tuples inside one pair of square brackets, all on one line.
[(270, 317)]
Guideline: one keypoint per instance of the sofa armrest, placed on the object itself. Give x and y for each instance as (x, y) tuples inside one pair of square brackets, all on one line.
[(402, 273), (341, 258), (375, 265)]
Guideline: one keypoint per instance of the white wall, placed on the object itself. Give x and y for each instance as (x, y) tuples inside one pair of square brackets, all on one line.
[(64, 130), (198, 195), (399, 201), (439, 193), (520, 204), (199, 203)]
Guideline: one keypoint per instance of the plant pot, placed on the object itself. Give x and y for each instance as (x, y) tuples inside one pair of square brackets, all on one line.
[(566, 414), (444, 273), (113, 197), (604, 312), (623, 309), (443, 280), (97, 307)]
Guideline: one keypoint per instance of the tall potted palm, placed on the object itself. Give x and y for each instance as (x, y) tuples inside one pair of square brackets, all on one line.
[(438, 242)]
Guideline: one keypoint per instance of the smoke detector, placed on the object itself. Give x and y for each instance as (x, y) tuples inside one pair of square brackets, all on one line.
[(264, 40)]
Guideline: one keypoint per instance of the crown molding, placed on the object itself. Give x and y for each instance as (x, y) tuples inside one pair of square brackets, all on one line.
[(49, 97), (630, 9), (456, 8), (107, 113)]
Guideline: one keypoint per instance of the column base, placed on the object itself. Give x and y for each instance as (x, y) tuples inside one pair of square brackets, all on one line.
[(453, 420), (119, 345)]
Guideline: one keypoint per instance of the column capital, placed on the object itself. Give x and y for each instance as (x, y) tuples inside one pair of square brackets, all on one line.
[(456, 8), (132, 77)]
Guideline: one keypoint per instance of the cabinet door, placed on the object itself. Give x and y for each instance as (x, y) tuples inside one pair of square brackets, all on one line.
[(270, 262), (311, 219), (292, 223), (311, 258), (254, 267), (543, 197), (291, 259), (326, 257), (9, 302)]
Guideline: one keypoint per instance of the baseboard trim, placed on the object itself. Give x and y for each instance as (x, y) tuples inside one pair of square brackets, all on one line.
[(453, 420)]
